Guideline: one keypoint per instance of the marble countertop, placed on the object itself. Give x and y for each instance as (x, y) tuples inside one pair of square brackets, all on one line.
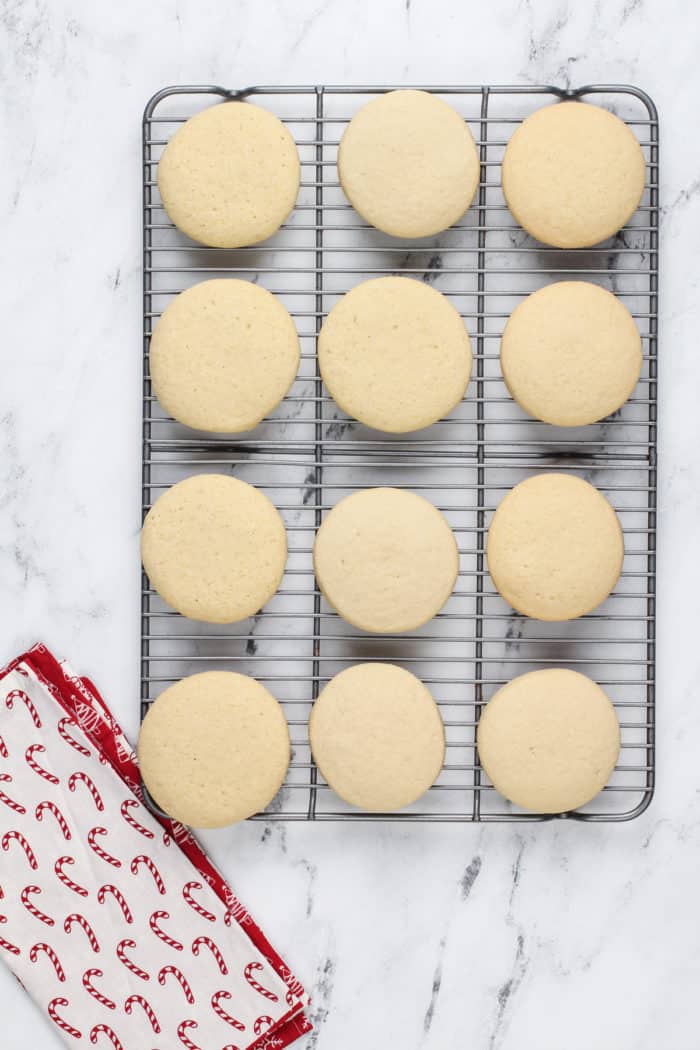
[(503, 937)]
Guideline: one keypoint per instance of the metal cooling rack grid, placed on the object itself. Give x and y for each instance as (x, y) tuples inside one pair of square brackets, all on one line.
[(307, 455)]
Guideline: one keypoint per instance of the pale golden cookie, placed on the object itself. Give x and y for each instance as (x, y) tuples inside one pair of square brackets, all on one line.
[(549, 740), (555, 547), (223, 355), (394, 353), (571, 353), (408, 164), (573, 174), (386, 560), (214, 548), (377, 736), (214, 749), (230, 175)]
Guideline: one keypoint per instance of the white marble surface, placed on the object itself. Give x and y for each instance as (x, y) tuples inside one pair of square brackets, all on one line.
[(554, 937)]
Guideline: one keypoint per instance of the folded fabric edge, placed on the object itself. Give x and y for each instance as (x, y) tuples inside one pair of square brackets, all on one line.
[(80, 698)]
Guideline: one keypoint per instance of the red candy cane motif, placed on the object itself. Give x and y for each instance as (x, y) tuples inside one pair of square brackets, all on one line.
[(109, 1032), (31, 908), (131, 803), (255, 967), (230, 1046), (148, 863), (187, 894), (89, 987), (10, 802), (55, 811), (165, 938), (19, 694), (61, 875), (58, 1020), (3, 749), (180, 978), (8, 946), (39, 749), (119, 898), (224, 1014), (96, 848), (146, 1007), (262, 1024), (80, 777), (85, 926), (182, 1029), (126, 961), (50, 954), (17, 836), (75, 744), (199, 941)]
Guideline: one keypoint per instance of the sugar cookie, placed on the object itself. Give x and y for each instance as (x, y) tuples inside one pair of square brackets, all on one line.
[(214, 749), (555, 547), (214, 548), (573, 174), (230, 175), (549, 740), (377, 736)]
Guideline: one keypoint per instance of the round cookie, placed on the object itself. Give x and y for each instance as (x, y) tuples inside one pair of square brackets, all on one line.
[(223, 355), (408, 164), (549, 740), (571, 353), (230, 175), (377, 736), (214, 548), (573, 174), (214, 749), (394, 353), (555, 547), (386, 560)]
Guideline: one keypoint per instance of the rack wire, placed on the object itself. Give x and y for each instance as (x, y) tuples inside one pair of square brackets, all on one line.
[(307, 455)]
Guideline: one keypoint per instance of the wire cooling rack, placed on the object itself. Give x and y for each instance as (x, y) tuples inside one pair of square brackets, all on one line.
[(307, 455)]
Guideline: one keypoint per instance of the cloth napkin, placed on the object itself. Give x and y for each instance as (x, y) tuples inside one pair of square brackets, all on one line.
[(114, 921)]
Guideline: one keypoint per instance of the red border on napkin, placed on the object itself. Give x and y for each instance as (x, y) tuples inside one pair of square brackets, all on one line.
[(80, 699)]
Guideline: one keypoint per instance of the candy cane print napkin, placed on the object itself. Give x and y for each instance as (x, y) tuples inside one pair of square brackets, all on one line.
[(115, 922)]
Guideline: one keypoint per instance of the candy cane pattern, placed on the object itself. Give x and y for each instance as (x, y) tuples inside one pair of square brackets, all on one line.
[(75, 744), (182, 1029), (58, 1020), (89, 987), (32, 908), (109, 1032), (126, 961), (96, 848), (85, 926), (61, 875), (3, 749), (224, 1014), (9, 947), (80, 777), (55, 811), (180, 978), (17, 807), (39, 749), (255, 967), (119, 898), (262, 1024), (165, 938), (131, 803), (146, 1007), (19, 694), (187, 894), (199, 941), (148, 863), (50, 954), (17, 836)]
